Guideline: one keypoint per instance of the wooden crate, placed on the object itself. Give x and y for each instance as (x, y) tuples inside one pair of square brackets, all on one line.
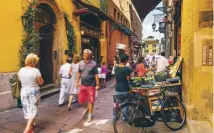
[(152, 100)]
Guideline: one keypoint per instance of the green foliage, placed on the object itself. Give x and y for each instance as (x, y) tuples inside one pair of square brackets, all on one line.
[(30, 41), (70, 36)]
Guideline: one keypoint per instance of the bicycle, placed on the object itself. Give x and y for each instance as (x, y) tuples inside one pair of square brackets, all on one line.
[(136, 117)]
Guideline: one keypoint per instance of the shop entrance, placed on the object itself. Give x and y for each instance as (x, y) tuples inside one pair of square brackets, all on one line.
[(91, 30), (46, 45), (93, 45)]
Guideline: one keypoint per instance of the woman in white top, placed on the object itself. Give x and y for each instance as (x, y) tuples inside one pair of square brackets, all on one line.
[(116, 62), (73, 71), (99, 72), (30, 78)]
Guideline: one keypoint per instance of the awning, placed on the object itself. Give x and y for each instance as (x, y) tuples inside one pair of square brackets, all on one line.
[(104, 17), (143, 7), (125, 29), (95, 10)]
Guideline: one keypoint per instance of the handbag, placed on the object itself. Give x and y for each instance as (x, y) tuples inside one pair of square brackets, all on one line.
[(16, 87)]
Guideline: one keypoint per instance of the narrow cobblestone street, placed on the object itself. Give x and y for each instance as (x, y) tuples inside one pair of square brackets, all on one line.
[(53, 118)]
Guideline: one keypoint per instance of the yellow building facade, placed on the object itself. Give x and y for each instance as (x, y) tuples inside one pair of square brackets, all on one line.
[(197, 52), (151, 47), (11, 36), (191, 32)]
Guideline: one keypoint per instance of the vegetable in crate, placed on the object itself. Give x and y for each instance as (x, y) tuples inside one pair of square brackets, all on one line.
[(137, 81), (162, 76), (149, 80)]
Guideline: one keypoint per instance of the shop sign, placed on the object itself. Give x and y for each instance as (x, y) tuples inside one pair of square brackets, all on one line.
[(207, 53), (121, 46), (162, 27), (159, 18), (91, 32)]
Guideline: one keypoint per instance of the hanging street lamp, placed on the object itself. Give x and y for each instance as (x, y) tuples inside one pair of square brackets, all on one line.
[(153, 27)]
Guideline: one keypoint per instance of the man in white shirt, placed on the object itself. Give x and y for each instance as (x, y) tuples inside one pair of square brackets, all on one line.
[(65, 80), (162, 63)]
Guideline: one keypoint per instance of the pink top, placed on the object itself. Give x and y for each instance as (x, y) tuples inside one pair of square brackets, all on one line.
[(141, 70), (170, 62), (104, 69)]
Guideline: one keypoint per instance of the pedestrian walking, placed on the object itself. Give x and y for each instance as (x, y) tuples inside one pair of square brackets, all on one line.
[(115, 63), (147, 63), (122, 75), (103, 74), (74, 69), (65, 81), (30, 78), (88, 75), (99, 72), (153, 62)]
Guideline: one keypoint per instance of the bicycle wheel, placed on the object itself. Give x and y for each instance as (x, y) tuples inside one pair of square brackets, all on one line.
[(124, 117), (173, 113)]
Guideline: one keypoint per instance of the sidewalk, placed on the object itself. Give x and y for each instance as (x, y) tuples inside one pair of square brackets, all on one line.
[(54, 119)]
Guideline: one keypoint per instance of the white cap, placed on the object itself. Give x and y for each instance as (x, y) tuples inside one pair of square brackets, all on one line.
[(87, 51)]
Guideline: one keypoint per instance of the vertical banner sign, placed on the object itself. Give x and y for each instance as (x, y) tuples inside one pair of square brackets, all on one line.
[(162, 27)]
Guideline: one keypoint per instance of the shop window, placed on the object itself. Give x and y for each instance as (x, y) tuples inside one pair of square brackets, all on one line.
[(121, 18), (115, 11), (118, 16)]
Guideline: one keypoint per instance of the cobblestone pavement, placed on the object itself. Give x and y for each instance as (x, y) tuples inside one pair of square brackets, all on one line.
[(54, 119)]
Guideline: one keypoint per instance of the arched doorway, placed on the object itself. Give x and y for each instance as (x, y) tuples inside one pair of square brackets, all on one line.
[(45, 21)]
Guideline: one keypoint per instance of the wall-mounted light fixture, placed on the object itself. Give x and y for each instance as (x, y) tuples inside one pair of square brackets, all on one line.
[(82, 32), (24, 20)]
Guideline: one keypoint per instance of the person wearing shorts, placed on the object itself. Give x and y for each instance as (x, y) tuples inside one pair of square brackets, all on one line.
[(88, 74)]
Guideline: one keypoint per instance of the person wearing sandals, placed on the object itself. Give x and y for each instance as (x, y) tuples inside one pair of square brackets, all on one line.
[(74, 69), (88, 74), (30, 78)]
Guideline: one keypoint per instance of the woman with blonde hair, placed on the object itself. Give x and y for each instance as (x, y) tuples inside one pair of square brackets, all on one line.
[(73, 72), (30, 78)]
